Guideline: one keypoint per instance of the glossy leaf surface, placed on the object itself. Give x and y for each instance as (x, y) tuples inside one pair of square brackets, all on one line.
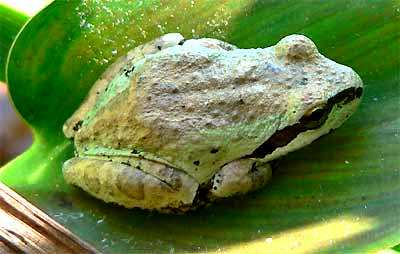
[(339, 194), (10, 23)]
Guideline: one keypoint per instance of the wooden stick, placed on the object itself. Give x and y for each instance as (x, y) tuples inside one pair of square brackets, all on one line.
[(26, 229)]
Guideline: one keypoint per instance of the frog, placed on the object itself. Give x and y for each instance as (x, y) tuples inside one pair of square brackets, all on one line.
[(176, 124)]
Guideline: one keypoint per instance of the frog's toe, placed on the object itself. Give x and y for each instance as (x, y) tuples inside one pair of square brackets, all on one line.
[(164, 188), (240, 177), (296, 47)]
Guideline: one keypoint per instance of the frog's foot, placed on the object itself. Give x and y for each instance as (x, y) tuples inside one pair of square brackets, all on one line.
[(139, 183), (239, 177)]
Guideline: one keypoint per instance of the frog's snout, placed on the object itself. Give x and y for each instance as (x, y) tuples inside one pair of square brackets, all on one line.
[(296, 47)]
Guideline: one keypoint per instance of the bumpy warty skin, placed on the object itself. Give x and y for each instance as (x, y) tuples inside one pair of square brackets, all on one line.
[(202, 104)]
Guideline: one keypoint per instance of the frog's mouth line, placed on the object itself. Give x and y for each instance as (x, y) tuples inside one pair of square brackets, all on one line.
[(312, 119)]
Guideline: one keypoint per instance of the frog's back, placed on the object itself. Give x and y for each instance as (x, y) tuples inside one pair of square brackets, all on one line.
[(196, 109)]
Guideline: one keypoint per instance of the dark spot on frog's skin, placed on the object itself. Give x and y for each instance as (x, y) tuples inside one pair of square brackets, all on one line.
[(218, 181), (78, 125), (134, 151), (119, 144), (97, 93), (182, 42), (214, 150), (110, 160), (303, 81), (128, 71), (215, 188), (126, 163), (196, 163), (86, 149), (241, 101), (159, 47), (138, 167)]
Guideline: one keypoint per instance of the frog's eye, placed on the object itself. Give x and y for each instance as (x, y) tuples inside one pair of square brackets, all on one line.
[(296, 47), (315, 117), (316, 113)]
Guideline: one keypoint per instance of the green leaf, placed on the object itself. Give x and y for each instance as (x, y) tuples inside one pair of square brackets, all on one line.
[(11, 22), (339, 194)]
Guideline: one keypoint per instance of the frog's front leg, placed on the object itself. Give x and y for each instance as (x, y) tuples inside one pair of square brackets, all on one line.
[(137, 183), (240, 177)]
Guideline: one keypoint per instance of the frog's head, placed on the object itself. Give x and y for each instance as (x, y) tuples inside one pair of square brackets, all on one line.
[(322, 96)]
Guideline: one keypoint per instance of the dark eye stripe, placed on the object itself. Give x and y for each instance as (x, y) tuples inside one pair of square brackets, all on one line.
[(312, 119)]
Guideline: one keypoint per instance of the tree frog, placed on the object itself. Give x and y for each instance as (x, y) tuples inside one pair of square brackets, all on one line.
[(175, 124)]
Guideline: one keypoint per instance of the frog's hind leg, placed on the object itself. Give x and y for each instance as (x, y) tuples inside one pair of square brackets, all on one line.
[(139, 183), (239, 177)]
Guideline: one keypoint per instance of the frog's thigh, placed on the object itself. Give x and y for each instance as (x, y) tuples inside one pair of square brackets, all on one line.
[(239, 177), (129, 186)]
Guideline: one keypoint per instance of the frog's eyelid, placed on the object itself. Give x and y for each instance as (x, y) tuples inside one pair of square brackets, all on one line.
[(296, 47)]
